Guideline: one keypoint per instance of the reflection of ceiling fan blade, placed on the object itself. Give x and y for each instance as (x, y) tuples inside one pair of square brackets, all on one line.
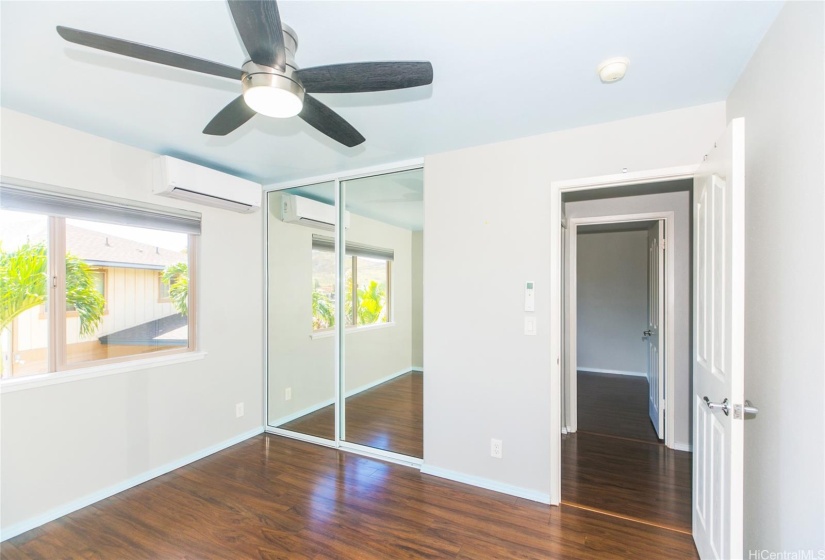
[(358, 77), (325, 120), (229, 118), (145, 52), (259, 26), (262, 33)]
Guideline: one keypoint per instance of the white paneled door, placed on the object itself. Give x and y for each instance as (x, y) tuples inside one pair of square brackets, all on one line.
[(655, 315), (718, 347)]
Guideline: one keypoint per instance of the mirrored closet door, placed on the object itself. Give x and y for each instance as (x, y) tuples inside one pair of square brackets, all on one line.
[(379, 272), (301, 300), (383, 374)]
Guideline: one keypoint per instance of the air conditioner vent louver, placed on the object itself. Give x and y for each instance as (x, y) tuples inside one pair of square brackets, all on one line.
[(307, 212), (175, 178)]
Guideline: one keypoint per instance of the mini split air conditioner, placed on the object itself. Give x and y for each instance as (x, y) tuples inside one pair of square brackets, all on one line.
[(307, 212), (180, 179)]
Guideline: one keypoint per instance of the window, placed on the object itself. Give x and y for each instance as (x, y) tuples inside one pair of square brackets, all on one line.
[(79, 281), (367, 282)]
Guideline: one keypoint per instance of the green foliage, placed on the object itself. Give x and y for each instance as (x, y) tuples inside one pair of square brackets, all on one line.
[(323, 309), (371, 299), (371, 303), (176, 278), (24, 281)]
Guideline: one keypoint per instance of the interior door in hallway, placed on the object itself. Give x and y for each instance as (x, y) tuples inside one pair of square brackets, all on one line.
[(718, 347), (655, 314)]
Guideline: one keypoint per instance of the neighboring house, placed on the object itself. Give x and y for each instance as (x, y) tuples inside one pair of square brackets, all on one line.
[(138, 317)]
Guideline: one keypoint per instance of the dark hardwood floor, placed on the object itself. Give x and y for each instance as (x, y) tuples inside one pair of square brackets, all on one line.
[(614, 405), (616, 464), (275, 498), (389, 416)]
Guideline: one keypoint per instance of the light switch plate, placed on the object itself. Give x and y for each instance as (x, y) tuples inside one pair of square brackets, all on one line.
[(530, 326)]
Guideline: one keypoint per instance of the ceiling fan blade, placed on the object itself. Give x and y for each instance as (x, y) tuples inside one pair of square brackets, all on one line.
[(145, 52), (229, 118), (325, 120), (259, 26), (358, 77)]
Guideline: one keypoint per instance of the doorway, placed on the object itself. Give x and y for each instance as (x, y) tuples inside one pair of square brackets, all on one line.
[(627, 354), (619, 306)]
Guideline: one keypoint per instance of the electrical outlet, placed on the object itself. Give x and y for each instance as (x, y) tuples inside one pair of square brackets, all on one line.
[(288, 394), (495, 448), (239, 410)]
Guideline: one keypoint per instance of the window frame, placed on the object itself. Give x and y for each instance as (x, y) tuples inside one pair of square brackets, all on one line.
[(58, 368), (353, 259)]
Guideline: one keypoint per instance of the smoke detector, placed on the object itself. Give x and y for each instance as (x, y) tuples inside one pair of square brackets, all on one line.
[(613, 69)]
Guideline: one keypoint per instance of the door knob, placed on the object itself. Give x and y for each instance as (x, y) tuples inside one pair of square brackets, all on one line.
[(750, 409), (722, 405), (647, 333)]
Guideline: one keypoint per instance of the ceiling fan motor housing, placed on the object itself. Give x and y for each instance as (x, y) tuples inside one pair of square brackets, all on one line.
[(257, 75)]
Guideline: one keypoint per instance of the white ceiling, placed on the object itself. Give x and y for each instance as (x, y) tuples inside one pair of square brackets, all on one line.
[(502, 70)]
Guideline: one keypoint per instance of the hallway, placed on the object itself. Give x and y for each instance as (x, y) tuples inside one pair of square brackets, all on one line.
[(614, 463)]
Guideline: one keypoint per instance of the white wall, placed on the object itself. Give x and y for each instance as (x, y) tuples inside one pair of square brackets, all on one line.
[(679, 204), (611, 294), (62, 444), (307, 364), (781, 95), (488, 220), (418, 299)]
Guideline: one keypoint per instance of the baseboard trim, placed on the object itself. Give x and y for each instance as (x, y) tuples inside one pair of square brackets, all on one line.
[(487, 484), (417, 368), (377, 382), (55, 513), (303, 412), (318, 406), (682, 447), (613, 371)]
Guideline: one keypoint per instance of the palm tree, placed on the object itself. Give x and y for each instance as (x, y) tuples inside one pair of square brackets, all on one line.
[(371, 303), (176, 278), (23, 286), (323, 310)]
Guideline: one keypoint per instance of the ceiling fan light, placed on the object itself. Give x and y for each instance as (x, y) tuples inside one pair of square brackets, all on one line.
[(273, 102), (273, 95)]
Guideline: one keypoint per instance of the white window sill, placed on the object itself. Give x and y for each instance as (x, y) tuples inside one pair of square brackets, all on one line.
[(33, 381), (351, 330)]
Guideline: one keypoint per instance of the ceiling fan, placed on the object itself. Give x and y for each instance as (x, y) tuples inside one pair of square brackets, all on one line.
[(272, 83)]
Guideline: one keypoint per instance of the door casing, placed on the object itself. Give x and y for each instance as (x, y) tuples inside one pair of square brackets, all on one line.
[(569, 326), (557, 189)]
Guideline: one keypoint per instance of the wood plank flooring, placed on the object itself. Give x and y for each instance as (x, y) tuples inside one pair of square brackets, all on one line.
[(389, 416), (614, 467), (614, 405), (275, 498)]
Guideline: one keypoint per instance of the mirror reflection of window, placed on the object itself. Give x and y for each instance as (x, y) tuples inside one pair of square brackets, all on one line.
[(301, 310), (383, 373), (380, 305)]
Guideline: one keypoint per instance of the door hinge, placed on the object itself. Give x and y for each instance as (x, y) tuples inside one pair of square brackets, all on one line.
[(664, 244)]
